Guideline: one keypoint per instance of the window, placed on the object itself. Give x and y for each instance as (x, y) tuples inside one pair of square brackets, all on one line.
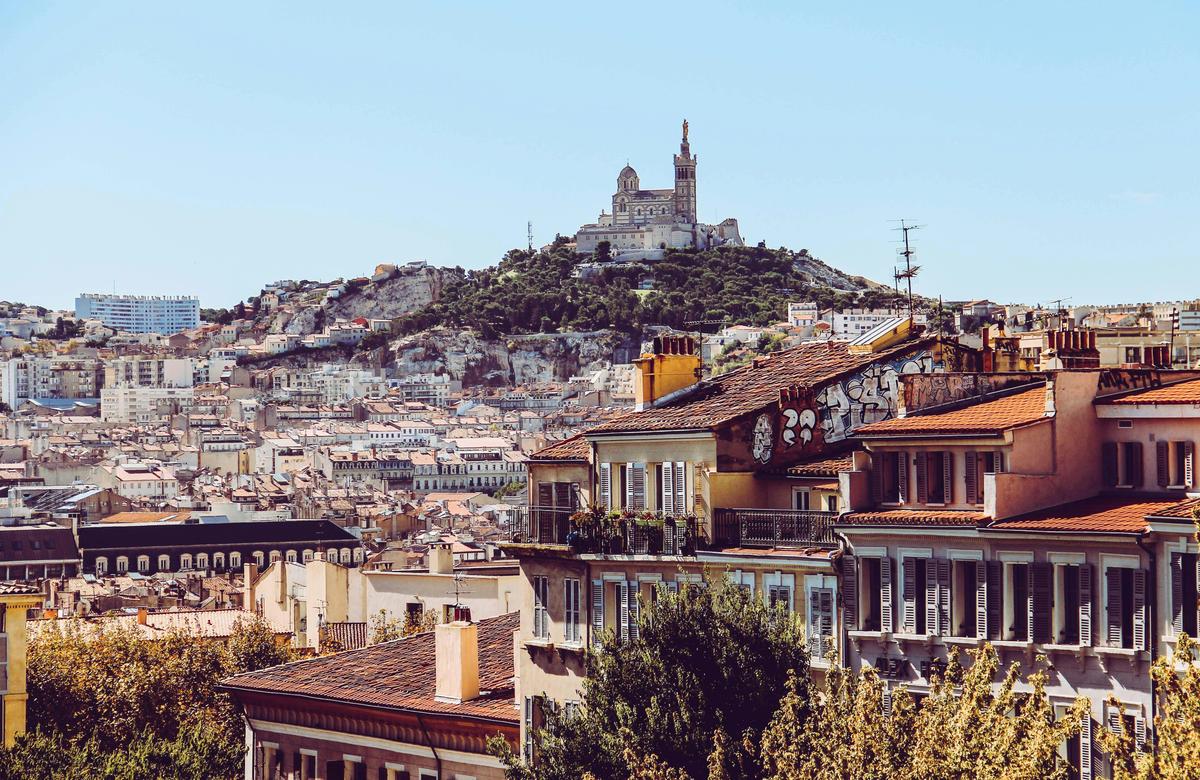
[(122, 564), (831, 503), (291, 556), (963, 611), (801, 498), (1185, 578), (779, 590), (258, 558), (531, 723), (1125, 607), (572, 630), (891, 477), (143, 564), (872, 578), (1122, 464), (672, 487), (541, 622), (820, 621), (101, 566), (1174, 461), (164, 563), (185, 562), (219, 561), (1016, 602), (934, 477), (202, 561), (979, 464), (1072, 605)]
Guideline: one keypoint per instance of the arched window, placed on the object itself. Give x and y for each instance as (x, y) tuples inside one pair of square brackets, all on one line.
[(185, 562), (345, 554), (202, 561), (358, 554), (122, 564), (164, 563), (307, 556), (258, 558), (101, 566), (235, 560), (219, 561), (144, 564)]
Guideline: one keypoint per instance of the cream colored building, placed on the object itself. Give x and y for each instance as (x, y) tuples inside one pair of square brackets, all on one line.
[(17, 600)]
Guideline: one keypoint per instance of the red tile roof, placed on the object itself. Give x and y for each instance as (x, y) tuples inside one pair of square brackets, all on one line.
[(826, 467), (574, 448), (922, 517), (398, 675), (1099, 514), (988, 417), (744, 390), (1182, 510), (1178, 393)]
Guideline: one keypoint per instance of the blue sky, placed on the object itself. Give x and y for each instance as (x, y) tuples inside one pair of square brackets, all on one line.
[(1050, 149)]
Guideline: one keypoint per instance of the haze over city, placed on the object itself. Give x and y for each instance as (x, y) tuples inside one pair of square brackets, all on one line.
[(209, 150)]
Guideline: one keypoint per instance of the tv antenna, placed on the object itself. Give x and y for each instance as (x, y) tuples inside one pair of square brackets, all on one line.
[(529, 233), (910, 270)]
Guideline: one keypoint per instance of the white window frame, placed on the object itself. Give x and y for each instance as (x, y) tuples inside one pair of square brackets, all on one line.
[(122, 565), (143, 564), (572, 610), (541, 610)]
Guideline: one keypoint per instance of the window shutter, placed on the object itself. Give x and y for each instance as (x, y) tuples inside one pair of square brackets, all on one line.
[(902, 477), (909, 623), (943, 570), (981, 600), (1113, 716), (1139, 610), (673, 587), (1085, 747), (931, 596), (826, 620), (623, 611), (1135, 452), (878, 463), (1177, 592), (886, 700), (971, 474), (1085, 604), (1139, 733), (635, 609), (1164, 465), (849, 583), (545, 500), (885, 595), (1109, 461), (1113, 606), (814, 623), (636, 487), (995, 597), (597, 610), (680, 488), (922, 478), (947, 477), (1040, 600), (1189, 457), (606, 485), (562, 495), (667, 490)]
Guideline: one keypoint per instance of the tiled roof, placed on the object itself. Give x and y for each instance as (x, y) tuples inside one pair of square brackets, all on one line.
[(398, 675), (826, 467), (17, 589), (1111, 514), (1181, 510), (1178, 393), (922, 517), (744, 390), (574, 448), (994, 416)]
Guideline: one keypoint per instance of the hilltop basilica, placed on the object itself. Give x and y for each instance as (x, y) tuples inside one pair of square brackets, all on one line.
[(645, 222)]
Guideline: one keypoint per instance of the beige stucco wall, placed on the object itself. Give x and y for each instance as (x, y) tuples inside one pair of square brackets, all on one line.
[(391, 591)]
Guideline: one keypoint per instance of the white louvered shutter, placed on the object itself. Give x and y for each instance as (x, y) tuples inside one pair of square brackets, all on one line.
[(1085, 747), (931, 596), (909, 622), (1189, 470), (635, 487), (885, 595), (1177, 592), (597, 610), (667, 490), (814, 623), (947, 477), (981, 600), (680, 488), (971, 477), (1114, 606), (849, 583), (1086, 598), (623, 606), (635, 608), (943, 570), (1139, 610), (606, 485)]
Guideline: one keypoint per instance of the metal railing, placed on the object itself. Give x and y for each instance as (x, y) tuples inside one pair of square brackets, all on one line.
[(638, 535), (774, 528)]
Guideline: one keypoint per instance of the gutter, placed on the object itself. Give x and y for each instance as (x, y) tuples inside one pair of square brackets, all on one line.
[(436, 758)]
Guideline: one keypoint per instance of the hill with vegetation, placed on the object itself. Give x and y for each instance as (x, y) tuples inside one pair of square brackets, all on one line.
[(555, 289)]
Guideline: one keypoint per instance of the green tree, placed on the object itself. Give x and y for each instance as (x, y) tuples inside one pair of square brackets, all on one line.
[(706, 671)]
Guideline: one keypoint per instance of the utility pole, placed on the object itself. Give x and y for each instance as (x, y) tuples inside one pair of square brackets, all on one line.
[(529, 233), (910, 270)]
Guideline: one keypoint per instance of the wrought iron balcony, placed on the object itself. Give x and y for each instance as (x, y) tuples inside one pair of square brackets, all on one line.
[(600, 533), (774, 528)]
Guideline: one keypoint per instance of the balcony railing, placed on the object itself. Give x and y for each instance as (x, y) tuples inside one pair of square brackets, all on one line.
[(643, 534), (774, 528)]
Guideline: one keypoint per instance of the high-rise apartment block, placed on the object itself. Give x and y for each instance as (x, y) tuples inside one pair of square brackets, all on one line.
[(141, 313)]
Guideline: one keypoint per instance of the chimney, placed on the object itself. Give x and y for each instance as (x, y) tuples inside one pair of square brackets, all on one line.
[(143, 615), (249, 575), (441, 559), (456, 652), (674, 365)]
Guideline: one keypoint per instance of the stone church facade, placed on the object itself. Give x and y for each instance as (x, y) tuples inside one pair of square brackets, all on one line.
[(646, 222)]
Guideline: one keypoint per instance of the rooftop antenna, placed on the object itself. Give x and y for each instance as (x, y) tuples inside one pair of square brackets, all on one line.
[(910, 270), (529, 233)]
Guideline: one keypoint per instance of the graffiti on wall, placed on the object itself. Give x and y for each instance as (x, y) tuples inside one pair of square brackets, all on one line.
[(808, 421)]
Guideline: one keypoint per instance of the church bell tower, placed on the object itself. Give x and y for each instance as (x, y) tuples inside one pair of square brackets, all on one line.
[(685, 181)]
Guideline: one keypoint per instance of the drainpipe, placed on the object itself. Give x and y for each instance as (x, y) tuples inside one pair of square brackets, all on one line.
[(845, 643), (437, 760), (1152, 625)]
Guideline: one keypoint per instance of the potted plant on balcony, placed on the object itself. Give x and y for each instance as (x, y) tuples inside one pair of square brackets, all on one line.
[(649, 534), (586, 530), (613, 542)]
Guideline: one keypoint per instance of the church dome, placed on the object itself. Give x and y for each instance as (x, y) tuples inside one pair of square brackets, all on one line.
[(627, 179), (627, 172)]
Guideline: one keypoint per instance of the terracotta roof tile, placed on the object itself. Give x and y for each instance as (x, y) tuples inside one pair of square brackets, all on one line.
[(922, 517), (1100, 514), (1181, 510), (995, 416), (398, 675), (1178, 393), (826, 467), (574, 448), (744, 390)]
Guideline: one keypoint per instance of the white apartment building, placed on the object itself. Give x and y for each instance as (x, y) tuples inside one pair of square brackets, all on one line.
[(140, 405), (47, 377), (140, 313), (149, 372), (851, 323)]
